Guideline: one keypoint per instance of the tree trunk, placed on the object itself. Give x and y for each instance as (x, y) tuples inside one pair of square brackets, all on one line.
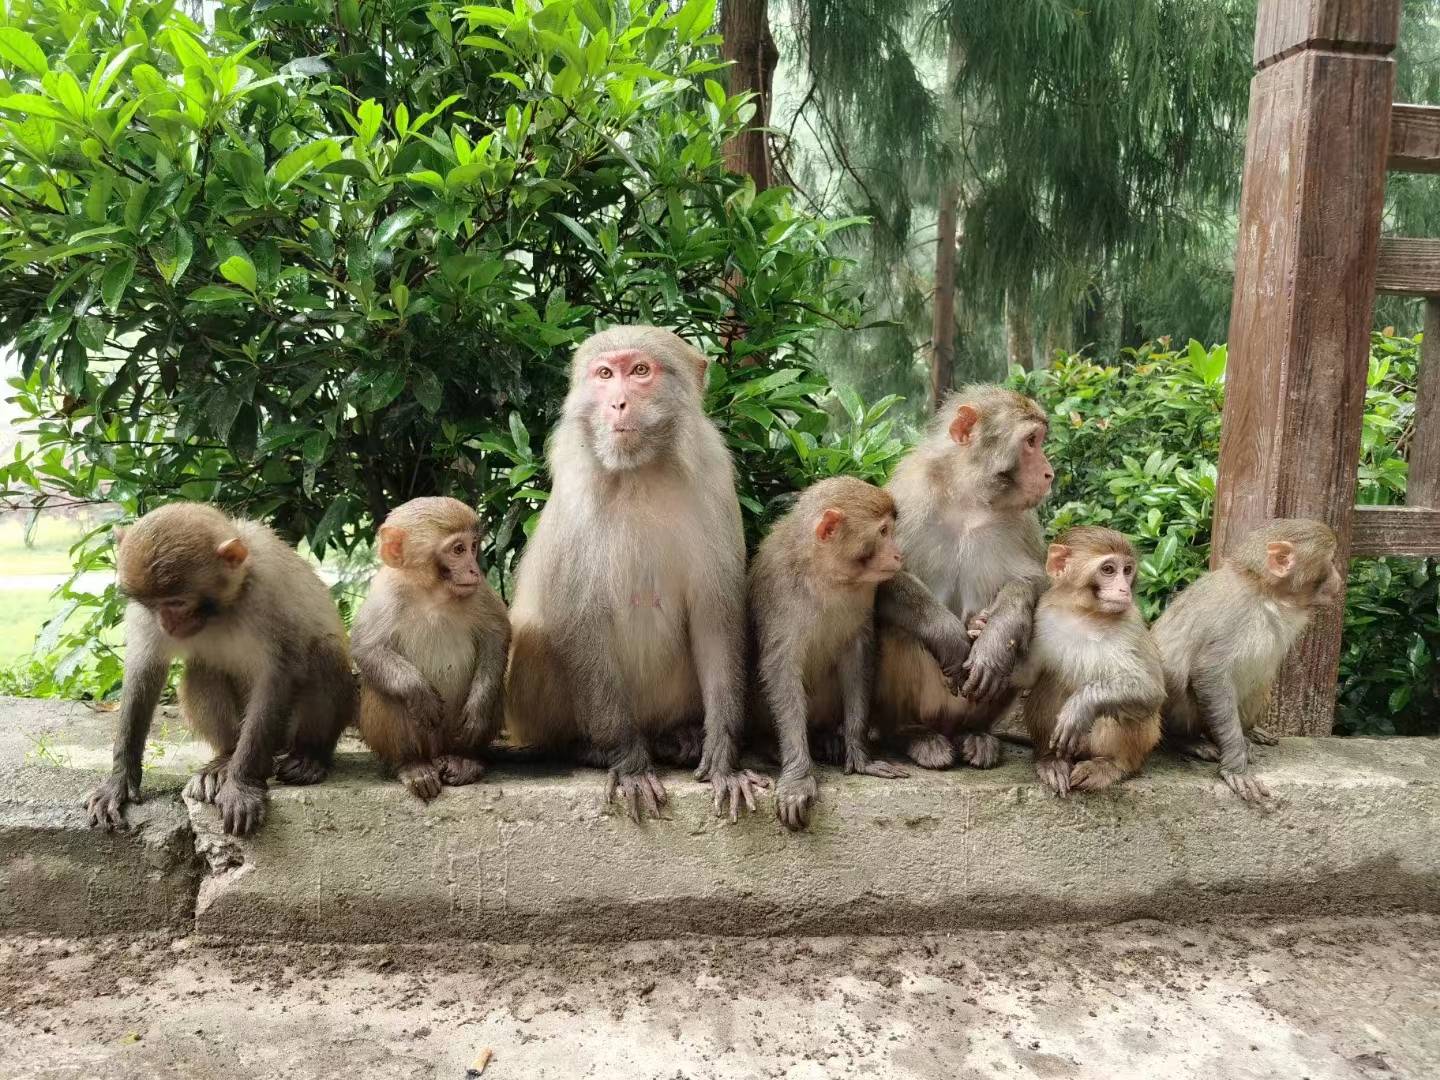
[(1092, 317), (1019, 342), (745, 27), (942, 327)]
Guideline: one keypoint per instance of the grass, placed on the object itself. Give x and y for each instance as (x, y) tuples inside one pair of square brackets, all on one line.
[(49, 553), (25, 612)]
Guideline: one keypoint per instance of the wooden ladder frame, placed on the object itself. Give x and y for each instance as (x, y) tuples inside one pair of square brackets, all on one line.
[(1323, 131)]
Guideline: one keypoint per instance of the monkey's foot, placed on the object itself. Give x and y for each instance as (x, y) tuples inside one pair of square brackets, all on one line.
[(635, 789), (1054, 773), (883, 769), (980, 749), (456, 769), (1249, 787), (241, 806), (1094, 774), (106, 804), (299, 769), (794, 799), (1199, 749), (735, 786), (932, 751), (828, 747), (421, 778), (1262, 737), (206, 782)]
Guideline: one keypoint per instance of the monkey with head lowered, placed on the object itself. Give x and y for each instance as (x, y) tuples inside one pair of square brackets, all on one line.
[(968, 529), (812, 609), (430, 642), (266, 668), (1223, 639), (628, 616), (1096, 686)]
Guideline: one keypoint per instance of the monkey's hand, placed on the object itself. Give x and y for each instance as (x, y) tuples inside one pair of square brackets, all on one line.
[(426, 706), (977, 623), (948, 642), (106, 804), (794, 798), (1071, 736), (991, 661), (1261, 737), (862, 764), (241, 805), (1249, 787), (636, 789)]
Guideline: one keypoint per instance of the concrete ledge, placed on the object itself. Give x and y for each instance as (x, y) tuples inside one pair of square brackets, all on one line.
[(530, 854)]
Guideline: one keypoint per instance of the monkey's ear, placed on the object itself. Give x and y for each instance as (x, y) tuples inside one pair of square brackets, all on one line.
[(1280, 557), (392, 546), (1056, 559), (963, 426), (700, 362), (233, 552), (829, 521)]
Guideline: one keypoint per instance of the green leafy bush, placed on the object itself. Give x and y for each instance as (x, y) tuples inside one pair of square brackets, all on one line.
[(327, 257), (1135, 445)]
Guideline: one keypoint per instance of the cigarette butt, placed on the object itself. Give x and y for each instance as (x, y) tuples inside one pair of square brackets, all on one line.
[(480, 1062)]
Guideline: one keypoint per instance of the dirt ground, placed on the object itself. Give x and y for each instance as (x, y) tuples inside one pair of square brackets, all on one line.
[(1354, 998)]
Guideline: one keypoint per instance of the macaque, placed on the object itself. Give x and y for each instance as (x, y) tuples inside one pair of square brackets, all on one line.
[(1223, 639), (628, 616), (266, 668), (812, 607), (1094, 674), (430, 642), (967, 527)]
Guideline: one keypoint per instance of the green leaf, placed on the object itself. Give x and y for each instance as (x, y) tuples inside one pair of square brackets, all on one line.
[(240, 270), (580, 232), (115, 280), (172, 252), (520, 433), (427, 390), (18, 48), (215, 293), (393, 226), (334, 517)]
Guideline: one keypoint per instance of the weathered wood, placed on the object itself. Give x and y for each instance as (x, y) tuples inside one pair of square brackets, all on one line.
[(1408, 265), (1304, 294), (1395, 530), (1415, 139), (1423, 488), (1283, 27)]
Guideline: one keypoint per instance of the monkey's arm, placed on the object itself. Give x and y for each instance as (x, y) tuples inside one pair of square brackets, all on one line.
[(904, 601), (1220, 707), (1004, 636), (383, 669), (784, 690), (1126, 696), (145, 672), (857, 679), (483, 714), (717, 643), (241, 798)]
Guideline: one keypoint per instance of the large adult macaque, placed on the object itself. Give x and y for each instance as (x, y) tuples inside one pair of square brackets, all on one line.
[(266, 669), (812, 606), (1096, 687), (628, 617), (430, 642), (1223, 639), (967, 526)]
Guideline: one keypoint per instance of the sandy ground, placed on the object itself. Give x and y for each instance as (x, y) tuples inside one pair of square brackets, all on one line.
[(1354, 998)]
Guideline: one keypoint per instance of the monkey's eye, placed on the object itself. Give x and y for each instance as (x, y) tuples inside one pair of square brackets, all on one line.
[(640, 370), (603, 373), (1108, 569), (885, 529), (1033, 441)]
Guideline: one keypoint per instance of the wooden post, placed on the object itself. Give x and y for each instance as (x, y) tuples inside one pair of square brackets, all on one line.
[(1310, 209), (1424, 486)]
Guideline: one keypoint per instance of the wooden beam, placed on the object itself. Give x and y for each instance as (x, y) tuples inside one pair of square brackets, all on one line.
[(1395, 530), (1414, 139), (1408, 265), (1313, 191), (1423, 488)]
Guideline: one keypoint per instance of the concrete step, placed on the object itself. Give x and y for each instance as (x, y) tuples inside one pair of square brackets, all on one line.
[(529, 854)]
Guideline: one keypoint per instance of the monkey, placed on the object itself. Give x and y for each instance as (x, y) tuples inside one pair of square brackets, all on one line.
[(967, 526), (266, 666), (1093, 672), (812, 611), (1223, 639), (430, 642), (628, 614)]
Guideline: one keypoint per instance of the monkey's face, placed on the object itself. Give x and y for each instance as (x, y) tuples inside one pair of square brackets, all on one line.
[(1029, 476), (628, 410), (1111, 579), (862, 549), (457, 562), (182, 616)]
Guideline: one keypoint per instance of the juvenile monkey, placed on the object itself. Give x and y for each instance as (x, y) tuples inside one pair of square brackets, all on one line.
[(1094, 674), (1223, 639), (967, 527), (628, 618), (812, 608), (430, 642), (266, 669)]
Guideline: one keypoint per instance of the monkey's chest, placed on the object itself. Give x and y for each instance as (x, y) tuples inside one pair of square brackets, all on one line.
[(444, 653)]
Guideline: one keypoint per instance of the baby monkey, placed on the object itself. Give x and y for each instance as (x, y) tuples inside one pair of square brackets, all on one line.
[(812, 610), (1223, 639), (430, 642), (1096, 684)]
